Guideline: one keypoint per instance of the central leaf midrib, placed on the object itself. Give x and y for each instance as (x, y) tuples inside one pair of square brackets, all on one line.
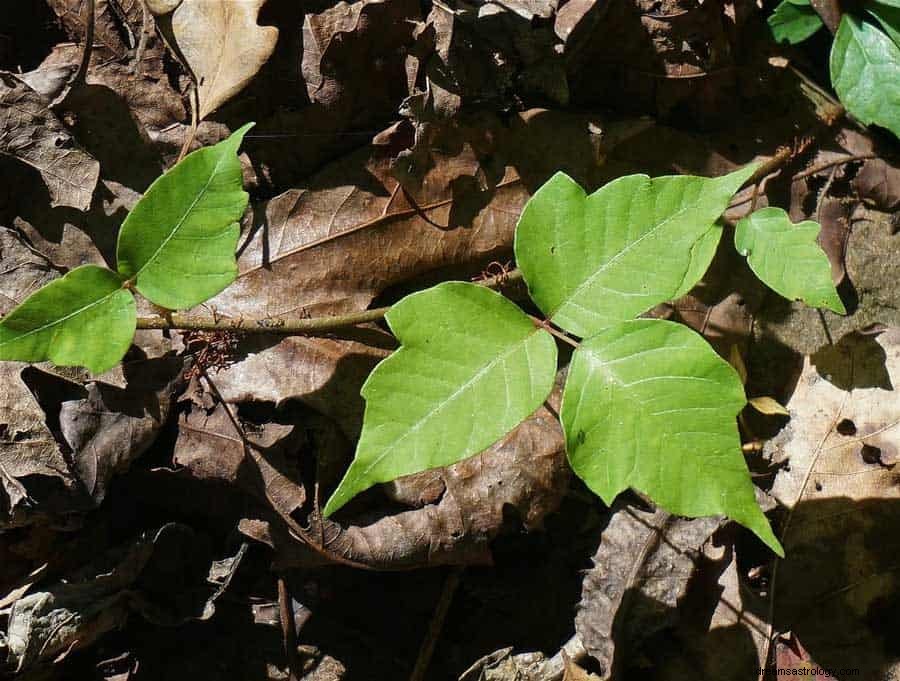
[(61, 319), (590, 280), (184, 217), (456, 393)]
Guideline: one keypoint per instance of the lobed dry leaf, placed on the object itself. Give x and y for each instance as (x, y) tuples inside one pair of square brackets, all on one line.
[(220, 42)]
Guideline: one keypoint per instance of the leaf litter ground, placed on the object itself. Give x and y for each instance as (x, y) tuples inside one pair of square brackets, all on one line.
[(395, 146)]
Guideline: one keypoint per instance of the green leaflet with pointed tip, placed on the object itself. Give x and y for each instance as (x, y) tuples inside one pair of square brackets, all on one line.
[(470, 368), (887, 12), (84, 318), (865, 64), (178, 243), (787, 258), (649, 405), (593, 261), (793, 22)]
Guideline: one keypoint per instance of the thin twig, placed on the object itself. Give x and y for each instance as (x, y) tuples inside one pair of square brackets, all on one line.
[(195, 106), (436, 625), (288, 629), (830, 164)]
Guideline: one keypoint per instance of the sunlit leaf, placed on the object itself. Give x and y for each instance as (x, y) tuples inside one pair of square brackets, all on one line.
[(178, 243), (84, 318), (470, 368), (864, 67), (649, 405), (787, 258), (593, 261)]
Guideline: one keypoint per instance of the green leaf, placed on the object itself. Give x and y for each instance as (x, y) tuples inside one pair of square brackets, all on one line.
[(593, 261), (793, 22), (702, 253), (84, 318), (787, 258), (471, 367), (178, 242), (865, 64), (649, 405), (887, 12)]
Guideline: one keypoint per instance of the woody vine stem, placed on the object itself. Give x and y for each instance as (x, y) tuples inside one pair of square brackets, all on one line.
[(327, 324)]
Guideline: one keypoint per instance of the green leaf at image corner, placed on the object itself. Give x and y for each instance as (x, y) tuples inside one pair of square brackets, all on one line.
[(593, 261), (865, 64), (887, 13), (84, 318), (649, 405), (178, 243), (470, 368), (786, 257), (793, 22)]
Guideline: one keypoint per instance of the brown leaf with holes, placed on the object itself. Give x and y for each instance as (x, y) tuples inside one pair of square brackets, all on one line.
[(641, 571), (838, 485), (34, 135)]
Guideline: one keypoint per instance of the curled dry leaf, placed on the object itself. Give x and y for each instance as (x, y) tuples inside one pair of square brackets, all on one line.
[(458, 509), (51, 622), (838, 485), (221, 43), (61, 442), (641, 572), (721, 627), (34, 135)]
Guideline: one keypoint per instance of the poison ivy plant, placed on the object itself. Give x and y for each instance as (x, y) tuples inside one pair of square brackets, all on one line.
[(176, 247), (793, 21), (83, 318), (178, 242), (865, 59), (585, 258), (787, 258), (864, 67), (648, 404), (887, 13), (471, 367)]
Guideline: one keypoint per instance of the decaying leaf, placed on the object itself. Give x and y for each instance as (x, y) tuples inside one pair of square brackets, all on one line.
[(264, 464), (48, 624), (838, 485), (641, 573), (222, 44), (456, 511), (34, 135)]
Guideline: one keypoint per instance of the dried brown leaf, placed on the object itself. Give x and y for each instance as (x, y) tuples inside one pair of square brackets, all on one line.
[(839, 488), (641, 572), (222, 45), (460, 509), (47, 625), (34, 135)]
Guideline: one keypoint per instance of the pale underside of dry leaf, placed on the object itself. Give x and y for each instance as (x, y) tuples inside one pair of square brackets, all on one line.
[(222, 44), (839, 485)]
